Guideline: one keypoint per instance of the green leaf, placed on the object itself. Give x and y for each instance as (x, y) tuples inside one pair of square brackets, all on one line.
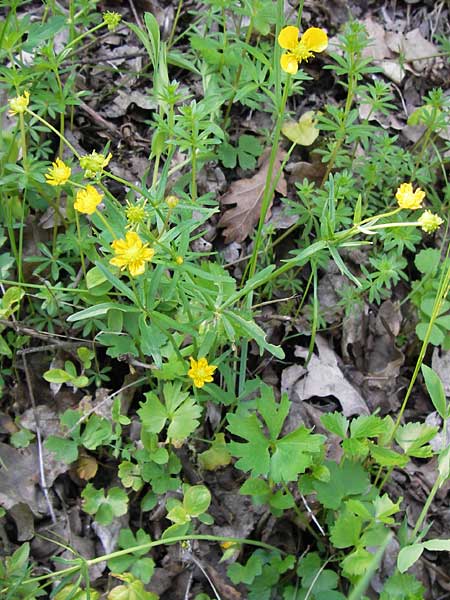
[(254, 454), (227, 154), (57, 376), (294, 454), (133, 590), (408, 556), (98, 431), (387, 457), (152, 413), (346, 530), (437, 545), (22, 438), (336, 423), (216, 456), (436, 390), (273, 414), (413, 439), (402, 586), (346, 480), (197, 500), (366, 426), (246, 573), (427, 261), (384, 508), (64, 449), (357, 562), (104, 508)]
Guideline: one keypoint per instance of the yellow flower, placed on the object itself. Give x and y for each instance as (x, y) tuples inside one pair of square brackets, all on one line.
[(87, 200), (172, 201), (407, 198), (112, 19), (58, 173), (135, 214), (200, 372), (19, 104), (131, 254), (94, 163), (429, 222), (313, 40), (179, 260)]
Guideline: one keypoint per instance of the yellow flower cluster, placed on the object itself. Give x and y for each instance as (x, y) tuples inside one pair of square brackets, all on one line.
[(429, 222), (87, 200), (313, 40), (200, 372), (59, 173), (135, 214), (19, 104), (131, 253), (111, 19), (94, 163), (409, 198)]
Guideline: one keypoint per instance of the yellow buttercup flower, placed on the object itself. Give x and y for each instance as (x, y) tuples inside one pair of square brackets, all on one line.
[(59, 173), (179, 260), (200, 372), (313, 40), (407, 198), (19, 104), (94, 163), (429, 222), (87, 200), (131, 253), (111, 19)]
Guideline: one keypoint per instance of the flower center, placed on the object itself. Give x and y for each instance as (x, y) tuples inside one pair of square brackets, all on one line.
[(301, 52)]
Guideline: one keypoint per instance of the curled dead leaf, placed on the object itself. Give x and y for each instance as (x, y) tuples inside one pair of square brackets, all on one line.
[(247, 194), (86, 467), (304, 132)]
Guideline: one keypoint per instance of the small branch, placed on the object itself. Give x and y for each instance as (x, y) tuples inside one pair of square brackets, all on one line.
[(39, 440)]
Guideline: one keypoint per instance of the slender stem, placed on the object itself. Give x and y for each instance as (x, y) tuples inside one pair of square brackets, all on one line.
[(267, 196), (194, 176), (105, 223), (426, 506), (83, 265), (238, 75), (174, 24), (55, 131)]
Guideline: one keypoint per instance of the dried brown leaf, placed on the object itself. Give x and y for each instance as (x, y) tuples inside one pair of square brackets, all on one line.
[(247, 194)]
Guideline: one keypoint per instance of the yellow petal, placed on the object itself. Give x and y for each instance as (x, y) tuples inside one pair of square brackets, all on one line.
[(315, 39), (289, 63), (288, 37)]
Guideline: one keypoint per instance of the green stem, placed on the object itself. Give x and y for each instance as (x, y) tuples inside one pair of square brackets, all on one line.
[(105, 223), (194, 176), (149, 546), (55, 131), (440, 298), (348, 105), (426, 506), (174, 24), (238, 75), (267, 196)]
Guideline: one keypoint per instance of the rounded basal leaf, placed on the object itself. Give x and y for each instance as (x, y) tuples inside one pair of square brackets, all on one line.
[(303, 132), (197, 500)]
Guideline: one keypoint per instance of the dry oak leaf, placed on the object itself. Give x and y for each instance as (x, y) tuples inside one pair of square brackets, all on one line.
[(247, 194)]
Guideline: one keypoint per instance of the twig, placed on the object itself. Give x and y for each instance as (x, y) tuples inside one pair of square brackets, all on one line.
[(198, 564), (312, 515), (135, 14), (38, 438)]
